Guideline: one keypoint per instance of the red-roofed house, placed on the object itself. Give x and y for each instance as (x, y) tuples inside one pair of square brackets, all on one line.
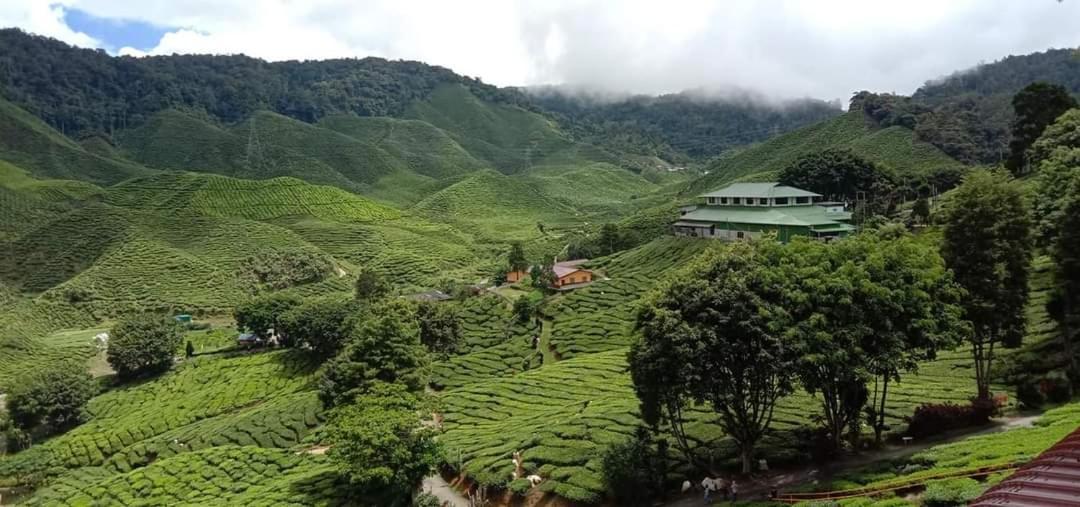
[(570, 274)]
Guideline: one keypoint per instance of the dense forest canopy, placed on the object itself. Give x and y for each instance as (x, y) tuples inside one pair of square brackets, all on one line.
[(1008, 75), (968, 114), (83, 90), (679, 126)]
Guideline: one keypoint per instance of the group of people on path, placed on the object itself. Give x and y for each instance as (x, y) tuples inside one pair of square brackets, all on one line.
[(720, 485)]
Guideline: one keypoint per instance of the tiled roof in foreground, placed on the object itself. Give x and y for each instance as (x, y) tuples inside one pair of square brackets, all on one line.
[(1051, 479)]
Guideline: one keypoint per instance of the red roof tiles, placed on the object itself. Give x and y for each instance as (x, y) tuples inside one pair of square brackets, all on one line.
[(1051, 479)]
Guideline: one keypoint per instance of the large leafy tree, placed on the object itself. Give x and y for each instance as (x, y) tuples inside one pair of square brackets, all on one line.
[(910, 309), (987, 245), (1036, 107), (321, 323), (143, 345), (440, 328), (385, 347), (55, 398), (1066, 254), (840, 174), (827, 325), (379, 444), (1057, 154), (261, 315), (370, 285), (718, 331)]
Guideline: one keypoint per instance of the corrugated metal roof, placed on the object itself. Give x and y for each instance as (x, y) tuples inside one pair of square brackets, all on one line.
[(771, 189), (561, 271), (1051, 479), (804, 216)]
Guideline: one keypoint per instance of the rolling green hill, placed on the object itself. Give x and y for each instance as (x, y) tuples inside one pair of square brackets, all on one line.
[(29, 143), (221, 196), (895, 147), (424, 148), (509, 138), (495, 206), (175, 140)]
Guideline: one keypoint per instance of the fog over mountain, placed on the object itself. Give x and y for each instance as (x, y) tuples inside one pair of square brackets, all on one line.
[(779, 48)]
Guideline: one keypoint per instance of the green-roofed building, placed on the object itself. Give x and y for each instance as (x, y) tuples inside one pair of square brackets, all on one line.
[(753, 210)]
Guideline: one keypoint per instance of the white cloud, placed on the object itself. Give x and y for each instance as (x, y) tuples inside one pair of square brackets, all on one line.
[(43, 18), (825, 48)]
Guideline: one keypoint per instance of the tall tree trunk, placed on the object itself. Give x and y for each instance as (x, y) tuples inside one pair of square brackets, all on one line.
[(1066, 337), (746, 452), (879, 424)]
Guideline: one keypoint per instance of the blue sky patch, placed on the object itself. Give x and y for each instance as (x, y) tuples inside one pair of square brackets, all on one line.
[(115, 33)]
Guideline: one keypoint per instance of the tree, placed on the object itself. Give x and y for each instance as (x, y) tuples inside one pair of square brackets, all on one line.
[(1061, 135), (524, 308), (322, 323), (143, 345), (921, 210), (610, 239), (262, 315), (385, 347), (1057, 154), (543, 277), (55, 398), (379, 444), (1036, 106), (1066, 255), (987, 245), (842, 175), (818, 291), (516, 257), (370, 285), (634, 470), (910, 309), (440, 328), (718, 331)]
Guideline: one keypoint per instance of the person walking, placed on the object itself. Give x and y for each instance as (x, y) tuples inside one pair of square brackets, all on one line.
[(707, 484), (734, 491)]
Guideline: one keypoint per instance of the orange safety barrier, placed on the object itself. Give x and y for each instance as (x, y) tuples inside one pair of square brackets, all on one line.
[(885, 488)]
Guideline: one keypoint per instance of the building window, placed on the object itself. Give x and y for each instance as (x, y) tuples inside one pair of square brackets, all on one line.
[(781, 201), (739, 234), (736, 200), (723, 200), (802, 200), (712, 200)]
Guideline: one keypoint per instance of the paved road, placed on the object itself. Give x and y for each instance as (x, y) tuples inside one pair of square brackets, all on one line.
[(449, 496)]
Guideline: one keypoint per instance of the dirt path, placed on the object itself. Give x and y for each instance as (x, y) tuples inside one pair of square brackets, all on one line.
[(759, 486), (437, 486), (550, 356)]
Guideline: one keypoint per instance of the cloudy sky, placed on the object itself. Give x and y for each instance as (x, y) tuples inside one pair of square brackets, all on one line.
[(783, 48)]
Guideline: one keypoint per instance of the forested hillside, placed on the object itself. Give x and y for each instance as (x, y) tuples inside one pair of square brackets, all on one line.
[(969, 113), (82, 90), (894, 147), (678, 127)]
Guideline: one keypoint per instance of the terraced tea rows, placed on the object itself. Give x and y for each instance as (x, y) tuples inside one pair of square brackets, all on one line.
[(226, 475), (222, 196), (28, 341), (406, 252), (560, 415), (495, 344), (262, 399), (600, 317)]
